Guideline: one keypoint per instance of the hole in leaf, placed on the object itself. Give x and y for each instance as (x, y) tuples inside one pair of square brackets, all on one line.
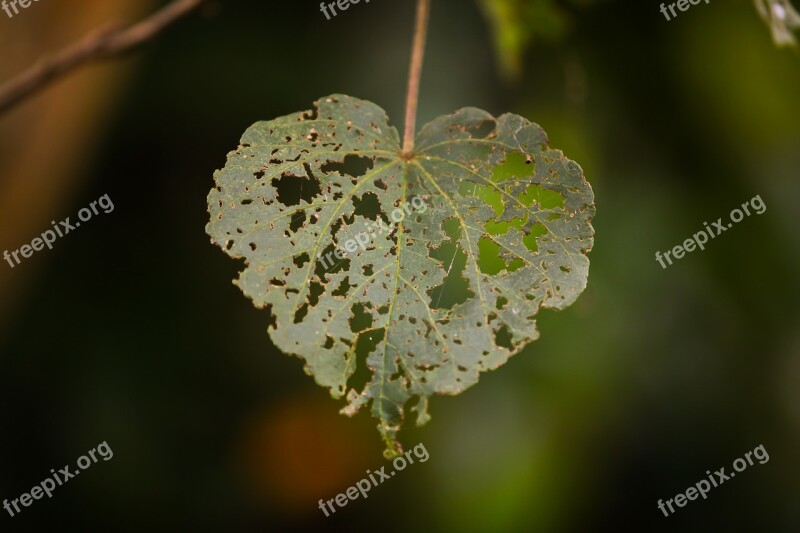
[(314, 291), (311, 114), (361, 319), (365, 345), (353, 165), (516, 166), (490, 195), (301, 313), (297, 221), (529, 240), (489, 260), (291, 188), (343, 287), (515, 264), (481, 130), (544, 198), (502, 337), (300, 260), (455, 288), (368, 206)]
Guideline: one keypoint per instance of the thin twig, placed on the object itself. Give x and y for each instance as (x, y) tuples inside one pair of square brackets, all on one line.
[(100, 44), (414, 74)]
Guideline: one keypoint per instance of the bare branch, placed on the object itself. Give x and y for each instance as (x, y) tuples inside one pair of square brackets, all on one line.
[(98, 45)]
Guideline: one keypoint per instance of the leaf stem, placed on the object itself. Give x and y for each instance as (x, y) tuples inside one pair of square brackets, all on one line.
[(414, 74)]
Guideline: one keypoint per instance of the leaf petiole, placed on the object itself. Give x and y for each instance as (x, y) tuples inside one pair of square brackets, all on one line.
[(414, 75)]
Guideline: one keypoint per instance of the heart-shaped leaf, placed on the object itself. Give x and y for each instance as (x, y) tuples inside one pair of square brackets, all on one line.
[(410, 274)]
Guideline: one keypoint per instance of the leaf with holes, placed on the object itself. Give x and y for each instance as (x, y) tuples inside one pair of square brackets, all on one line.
[(395, 278)]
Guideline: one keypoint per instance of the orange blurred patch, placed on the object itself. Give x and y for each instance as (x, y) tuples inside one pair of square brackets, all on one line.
[(303, 451)]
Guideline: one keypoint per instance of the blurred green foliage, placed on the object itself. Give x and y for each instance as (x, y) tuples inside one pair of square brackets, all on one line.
[(517, 24)]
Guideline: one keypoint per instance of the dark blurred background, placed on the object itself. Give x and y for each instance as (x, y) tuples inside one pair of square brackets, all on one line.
[(131, 332)]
